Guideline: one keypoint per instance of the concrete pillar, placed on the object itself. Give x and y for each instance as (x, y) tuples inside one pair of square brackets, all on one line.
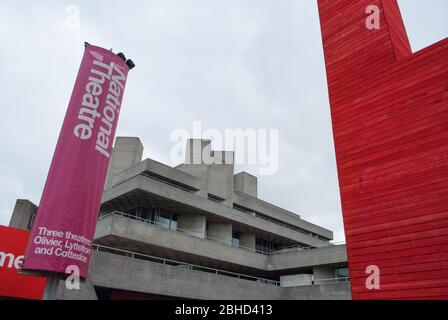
[(199, 151), (86, 291), (193, 224), (127, 152), (22, 213), (220, 231), (246, 183), (214, 168), (200, 171), (323, 272), (248, 240), (220, 181), (196, 151)]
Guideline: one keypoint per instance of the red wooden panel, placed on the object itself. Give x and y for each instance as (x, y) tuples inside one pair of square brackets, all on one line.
[(12, 284), (389, 111)]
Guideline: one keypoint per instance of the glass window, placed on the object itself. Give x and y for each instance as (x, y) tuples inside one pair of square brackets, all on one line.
[(173, 224), (153, 214), (143, 214), (264, 246), (31, 222), (164, 219), (167, 220), (236, 239), (258, 246), (342, 273)]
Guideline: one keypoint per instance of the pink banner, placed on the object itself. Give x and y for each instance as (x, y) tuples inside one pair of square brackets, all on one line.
[(65, 223)]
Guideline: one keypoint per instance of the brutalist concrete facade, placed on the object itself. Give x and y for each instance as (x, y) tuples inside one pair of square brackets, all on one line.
[(199, 231)]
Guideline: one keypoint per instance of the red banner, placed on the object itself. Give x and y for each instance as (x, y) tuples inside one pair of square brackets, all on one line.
[(12, 284), (65, 223)]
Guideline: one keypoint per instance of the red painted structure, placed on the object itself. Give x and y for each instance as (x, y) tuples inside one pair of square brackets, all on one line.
[(12, 284), (389, 111)]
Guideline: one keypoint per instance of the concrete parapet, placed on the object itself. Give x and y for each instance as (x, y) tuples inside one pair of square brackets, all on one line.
[(193, 224), (23, 213), (127, 152)]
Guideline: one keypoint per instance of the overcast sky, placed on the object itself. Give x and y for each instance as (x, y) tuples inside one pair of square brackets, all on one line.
[(229, 64)]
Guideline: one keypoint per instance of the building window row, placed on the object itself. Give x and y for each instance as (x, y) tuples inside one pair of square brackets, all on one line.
[(265, 246), (170, 220), (235, 206), (276, 221), (162, 217)]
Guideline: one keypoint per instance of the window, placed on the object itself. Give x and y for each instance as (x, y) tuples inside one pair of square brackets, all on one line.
[(167, 219), (163, 218), (215, 198), (174, 222), (236, 239), (31, 222), (144, 214), (341, 273), (264, 246)]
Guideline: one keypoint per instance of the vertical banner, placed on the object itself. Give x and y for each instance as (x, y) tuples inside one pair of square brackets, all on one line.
[(63, 231)]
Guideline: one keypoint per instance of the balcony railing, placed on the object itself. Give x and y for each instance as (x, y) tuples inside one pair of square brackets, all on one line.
[(187, 232), (188, 266), (332, 280), (194, 267), (202, 236)]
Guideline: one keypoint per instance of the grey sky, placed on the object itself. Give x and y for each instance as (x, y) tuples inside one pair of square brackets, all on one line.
[(230, 64)]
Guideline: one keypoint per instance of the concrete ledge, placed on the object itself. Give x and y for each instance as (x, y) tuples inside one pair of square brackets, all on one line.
[(120, 272), (158, 169), (309, 258), (195, 203), (275, 212), (339, 291), (126, 233), (124, 273)]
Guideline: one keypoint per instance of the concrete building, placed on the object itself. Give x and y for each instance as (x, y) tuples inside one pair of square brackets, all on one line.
[(199, 231)]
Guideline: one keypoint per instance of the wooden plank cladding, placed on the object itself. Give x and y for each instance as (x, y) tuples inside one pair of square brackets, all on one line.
[(389, 110)]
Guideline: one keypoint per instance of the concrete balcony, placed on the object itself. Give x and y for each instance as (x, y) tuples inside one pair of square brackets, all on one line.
[(131, 274), (119, 231), (296, 258), (141, 190), (130, 234)]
